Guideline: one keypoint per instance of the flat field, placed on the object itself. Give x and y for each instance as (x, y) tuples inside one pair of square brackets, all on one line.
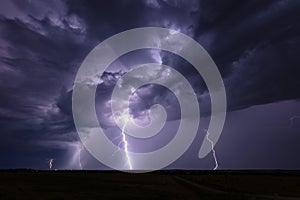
[(183, 185)]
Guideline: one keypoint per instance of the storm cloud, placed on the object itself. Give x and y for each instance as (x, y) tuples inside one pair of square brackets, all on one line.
[(255, 45)]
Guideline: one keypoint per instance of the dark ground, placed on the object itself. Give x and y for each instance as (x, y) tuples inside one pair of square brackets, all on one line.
[(32, 184)]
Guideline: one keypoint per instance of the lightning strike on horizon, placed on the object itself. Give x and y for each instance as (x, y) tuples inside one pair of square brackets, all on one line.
[(213, 149), (50, 163), (126, 145), (79, 158), (125, 117), (76, 158)]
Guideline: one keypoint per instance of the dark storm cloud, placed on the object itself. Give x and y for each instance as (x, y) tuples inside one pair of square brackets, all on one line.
[(35, 69), (255, 45), (38, 58), (106, 19)]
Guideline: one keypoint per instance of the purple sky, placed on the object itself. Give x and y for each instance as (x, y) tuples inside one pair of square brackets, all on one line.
[(255, 45)]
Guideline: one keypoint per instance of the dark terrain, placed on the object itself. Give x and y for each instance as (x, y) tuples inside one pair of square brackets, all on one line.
[(32, 184)]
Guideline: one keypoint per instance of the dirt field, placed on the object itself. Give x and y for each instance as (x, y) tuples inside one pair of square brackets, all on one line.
[(30, 184)]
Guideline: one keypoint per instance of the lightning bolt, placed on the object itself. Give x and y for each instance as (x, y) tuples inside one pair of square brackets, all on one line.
[(79, 157), (126, 145), (50, 163), (125, 117), (213, 149)]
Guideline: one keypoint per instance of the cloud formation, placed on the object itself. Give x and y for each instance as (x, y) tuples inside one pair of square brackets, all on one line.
[(255, 45)]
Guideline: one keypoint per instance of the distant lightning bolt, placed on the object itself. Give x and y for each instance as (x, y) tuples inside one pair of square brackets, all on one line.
[(125, 118), (79, 157), (213, 150), (50, 163), (76, 158), (126, 145), (79, 160)]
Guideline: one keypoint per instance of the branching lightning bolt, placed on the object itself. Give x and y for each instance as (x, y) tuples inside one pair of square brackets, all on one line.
[(213, 149)]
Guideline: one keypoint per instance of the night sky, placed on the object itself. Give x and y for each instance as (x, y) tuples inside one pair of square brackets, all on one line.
[(255, 45)]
